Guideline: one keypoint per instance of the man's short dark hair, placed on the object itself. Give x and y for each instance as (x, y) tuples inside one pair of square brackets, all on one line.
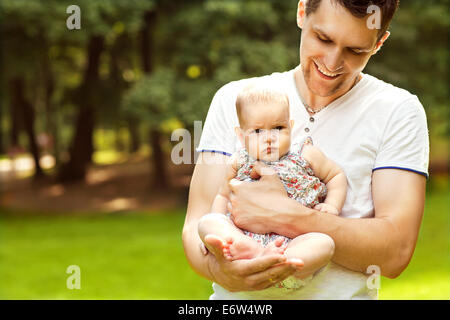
[(358, 8)]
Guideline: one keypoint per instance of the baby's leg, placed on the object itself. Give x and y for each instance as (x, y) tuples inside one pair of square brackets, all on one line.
[(314, 249), (221, 236)]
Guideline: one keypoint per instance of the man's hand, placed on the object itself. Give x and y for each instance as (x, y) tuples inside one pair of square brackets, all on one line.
[(251, 274), (255, 205), (325, 207)]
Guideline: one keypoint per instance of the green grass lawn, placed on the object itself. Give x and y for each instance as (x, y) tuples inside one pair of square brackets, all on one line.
[(140, 256), (126, 256), (428, 274)]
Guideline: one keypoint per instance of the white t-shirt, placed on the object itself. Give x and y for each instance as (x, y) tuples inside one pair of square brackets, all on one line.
[(373, 126)]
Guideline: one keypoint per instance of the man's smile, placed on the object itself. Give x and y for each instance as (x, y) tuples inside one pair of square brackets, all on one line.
[(325, 74)]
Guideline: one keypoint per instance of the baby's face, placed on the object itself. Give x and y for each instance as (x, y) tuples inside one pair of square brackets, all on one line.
[(266, 131)]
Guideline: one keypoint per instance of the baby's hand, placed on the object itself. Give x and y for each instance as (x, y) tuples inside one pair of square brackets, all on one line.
[(325, 207)]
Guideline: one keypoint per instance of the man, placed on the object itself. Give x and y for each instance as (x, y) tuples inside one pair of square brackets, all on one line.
[(376, 132)]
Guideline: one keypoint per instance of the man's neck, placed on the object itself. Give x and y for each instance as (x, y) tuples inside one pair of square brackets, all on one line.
[(314, 101)]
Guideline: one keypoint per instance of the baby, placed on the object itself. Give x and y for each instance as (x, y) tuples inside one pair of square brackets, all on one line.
[(307, 175)]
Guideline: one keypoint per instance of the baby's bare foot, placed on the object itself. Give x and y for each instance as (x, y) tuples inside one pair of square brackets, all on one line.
[(215, 244), (242, 248), (275, 246)]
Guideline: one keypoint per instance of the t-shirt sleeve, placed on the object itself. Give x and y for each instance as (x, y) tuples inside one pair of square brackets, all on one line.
[(405, 142), (218, 131)]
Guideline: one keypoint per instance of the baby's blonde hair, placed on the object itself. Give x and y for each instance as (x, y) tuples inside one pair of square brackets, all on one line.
[(260, 91)]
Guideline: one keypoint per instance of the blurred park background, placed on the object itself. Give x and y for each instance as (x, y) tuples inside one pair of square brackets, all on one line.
[(86, 118)]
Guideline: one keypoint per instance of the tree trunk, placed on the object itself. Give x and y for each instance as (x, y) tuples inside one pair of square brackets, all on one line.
[(2, 145), (26, 110), (51, 121), (159, 173), (82, 144), (14, 110), (118, 87), (147, 45), (135, 140)]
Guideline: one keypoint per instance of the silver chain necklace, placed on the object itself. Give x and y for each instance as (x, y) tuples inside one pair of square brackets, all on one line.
[(309, 109), (313, 112)]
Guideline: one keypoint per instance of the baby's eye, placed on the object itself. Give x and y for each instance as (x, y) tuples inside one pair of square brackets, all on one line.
[(279, 128), (257, 131)]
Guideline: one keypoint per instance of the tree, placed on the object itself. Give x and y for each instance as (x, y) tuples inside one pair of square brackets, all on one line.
[(415, 57), (82, 145), (190, 63), (25, 111), (102, 15), (20, 66), (150, 99)]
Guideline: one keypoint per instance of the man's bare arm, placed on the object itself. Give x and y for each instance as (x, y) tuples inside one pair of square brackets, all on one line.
[(387, 240), (220, 203)]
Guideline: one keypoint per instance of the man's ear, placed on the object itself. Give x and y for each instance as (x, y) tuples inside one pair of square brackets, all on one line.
[(301, 13), (380, 42), (240, 135)]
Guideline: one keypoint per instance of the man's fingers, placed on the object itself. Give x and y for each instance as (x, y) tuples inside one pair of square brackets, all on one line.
[(229, 206), (275, 274), (203, 248), (259, 264), (234, 183), (261, 170), (259, 273)]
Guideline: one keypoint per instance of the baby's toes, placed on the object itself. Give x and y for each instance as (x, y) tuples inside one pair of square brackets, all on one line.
[(229, 241), (275, 246), (227, 249), (278, 242)]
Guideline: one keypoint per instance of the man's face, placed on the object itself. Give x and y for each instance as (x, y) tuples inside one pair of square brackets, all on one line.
[(335, 47)]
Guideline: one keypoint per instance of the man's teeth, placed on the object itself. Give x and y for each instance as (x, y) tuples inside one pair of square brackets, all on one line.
[(327, 73)]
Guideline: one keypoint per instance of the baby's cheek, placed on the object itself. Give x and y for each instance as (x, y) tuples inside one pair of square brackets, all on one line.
[(285, 143), (252, 146)]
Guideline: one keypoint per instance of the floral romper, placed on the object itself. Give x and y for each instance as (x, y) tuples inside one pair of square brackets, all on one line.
[(298, 180)]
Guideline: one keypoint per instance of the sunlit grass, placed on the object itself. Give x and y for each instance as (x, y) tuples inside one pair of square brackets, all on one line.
[(428, 274), (130, 256), (140, 256)]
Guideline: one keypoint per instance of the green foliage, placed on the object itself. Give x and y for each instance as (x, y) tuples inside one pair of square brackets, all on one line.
[(151, 97), (205, 46), (36, 23), (34, 31), (196, 47), (415, 57)]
